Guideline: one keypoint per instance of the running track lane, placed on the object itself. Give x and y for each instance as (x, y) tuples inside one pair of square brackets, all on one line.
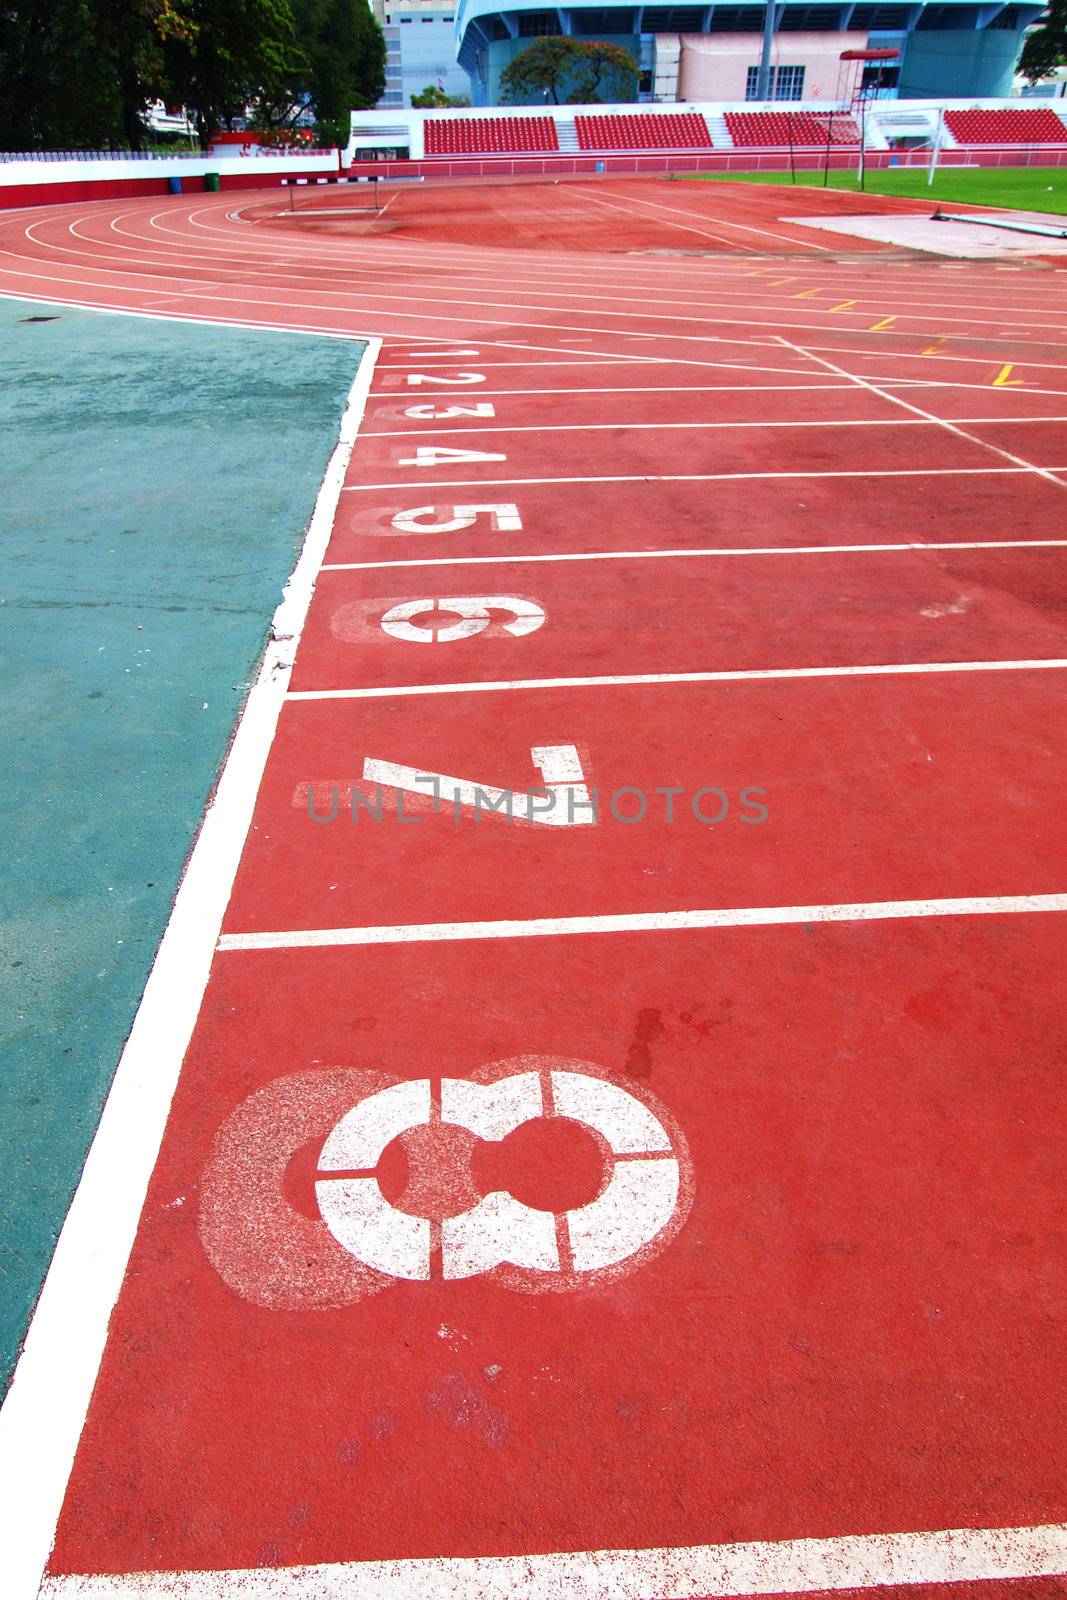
[(756, 548)]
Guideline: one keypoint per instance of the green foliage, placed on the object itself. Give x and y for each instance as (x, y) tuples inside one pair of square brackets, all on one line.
[(237, 50), (78, 74), (575, 70), (346, 61), (434, 99), (1046, 47)]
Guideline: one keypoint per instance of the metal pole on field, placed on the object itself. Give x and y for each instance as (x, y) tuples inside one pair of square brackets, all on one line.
[(863, 139), (829, 143), (763, 77), (935, 148)]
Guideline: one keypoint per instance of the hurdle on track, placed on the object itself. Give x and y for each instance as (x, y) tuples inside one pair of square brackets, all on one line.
[(293, 184)]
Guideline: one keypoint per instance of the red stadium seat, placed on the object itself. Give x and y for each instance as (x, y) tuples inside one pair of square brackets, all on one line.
[(485, 136), (776, 129), (1039, 125), (673, 130)]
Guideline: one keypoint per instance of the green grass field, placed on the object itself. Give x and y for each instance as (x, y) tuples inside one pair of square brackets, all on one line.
[(1010, 188)]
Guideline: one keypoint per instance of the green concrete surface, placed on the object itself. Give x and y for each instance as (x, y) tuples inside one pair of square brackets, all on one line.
[(155, 482), (1008, 188)]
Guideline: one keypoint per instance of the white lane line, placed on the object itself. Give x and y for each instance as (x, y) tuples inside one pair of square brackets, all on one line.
[(686, 227), (645, 922), (698, 553), (925, 421), (423, 259), (455, 268), (926, 416), (763, 1567), (45, 1408), (742, 675), (182, 316), (703, 477), (475, 309), (706, 389), (717, 388)]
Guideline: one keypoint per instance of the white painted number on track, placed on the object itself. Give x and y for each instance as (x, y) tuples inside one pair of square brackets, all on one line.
[(437, 377), (636, 1204), (503, 518), (562, 802), (433, 413), (282, 1257), (438, 455), (473, 613)]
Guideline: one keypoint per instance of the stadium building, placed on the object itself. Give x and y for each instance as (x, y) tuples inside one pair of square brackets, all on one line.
[(420, 50), (710, 52)]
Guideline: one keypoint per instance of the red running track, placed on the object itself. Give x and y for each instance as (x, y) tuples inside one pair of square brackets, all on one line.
[(769, 555)]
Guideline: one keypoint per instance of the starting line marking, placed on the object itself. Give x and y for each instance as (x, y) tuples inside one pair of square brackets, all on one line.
[(928, 421), (793, 1566), (740, 676), (723, 477), (645, 922), (725, 550)]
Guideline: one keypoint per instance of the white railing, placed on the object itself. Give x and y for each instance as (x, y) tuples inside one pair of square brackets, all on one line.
[(261, 151), (93, 155)]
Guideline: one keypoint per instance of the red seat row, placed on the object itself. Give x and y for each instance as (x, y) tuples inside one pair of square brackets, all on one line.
[(475, 136), (771, 129), (679, 130), (1038, 125)]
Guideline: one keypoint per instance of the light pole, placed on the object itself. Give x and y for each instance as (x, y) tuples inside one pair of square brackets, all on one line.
[(763, 77)]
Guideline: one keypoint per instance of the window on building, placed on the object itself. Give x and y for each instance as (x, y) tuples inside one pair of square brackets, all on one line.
[(538, 24), (786, 83)]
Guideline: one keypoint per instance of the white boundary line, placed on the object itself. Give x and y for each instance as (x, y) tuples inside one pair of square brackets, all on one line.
[(925, 421), (643, 922), (710, 477), (701, 552), (791, 1566), (611, 681), (183, 316), (43, 1414)]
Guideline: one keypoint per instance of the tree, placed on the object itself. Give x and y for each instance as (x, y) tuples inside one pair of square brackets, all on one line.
[(543, 68), (338, 68), (1046, 47), (604, 63), (236, 51), (575, 69), (58, 92), (78, 74), (434, 98)]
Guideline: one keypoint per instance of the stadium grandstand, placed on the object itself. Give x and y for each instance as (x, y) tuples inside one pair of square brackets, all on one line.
[(558, 137), (711, 52)]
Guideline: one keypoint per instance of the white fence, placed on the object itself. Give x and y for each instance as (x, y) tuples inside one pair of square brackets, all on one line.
[(55, 167)]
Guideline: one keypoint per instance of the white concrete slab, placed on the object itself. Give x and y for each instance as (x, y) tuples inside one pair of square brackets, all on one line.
[(964, 239)]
